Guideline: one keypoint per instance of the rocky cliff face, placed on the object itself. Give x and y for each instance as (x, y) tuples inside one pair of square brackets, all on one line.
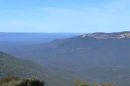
[(121, 35)]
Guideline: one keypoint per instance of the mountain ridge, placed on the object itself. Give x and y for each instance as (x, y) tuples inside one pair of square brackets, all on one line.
[(114, 35), (97, 59)]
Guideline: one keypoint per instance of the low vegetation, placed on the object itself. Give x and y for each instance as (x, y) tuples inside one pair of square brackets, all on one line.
[(15, 81), (84, 83)]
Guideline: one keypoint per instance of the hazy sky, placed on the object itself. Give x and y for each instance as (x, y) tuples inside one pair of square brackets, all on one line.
[(64, 15)]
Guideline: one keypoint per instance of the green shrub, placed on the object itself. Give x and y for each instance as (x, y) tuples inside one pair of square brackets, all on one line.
[(31, 82), (13, 81)]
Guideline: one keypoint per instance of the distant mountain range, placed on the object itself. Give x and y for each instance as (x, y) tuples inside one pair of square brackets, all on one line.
[(32, 38), (99, 57), (10, 40)]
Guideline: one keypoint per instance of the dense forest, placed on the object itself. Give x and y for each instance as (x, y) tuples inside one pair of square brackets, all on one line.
[(10, 66)]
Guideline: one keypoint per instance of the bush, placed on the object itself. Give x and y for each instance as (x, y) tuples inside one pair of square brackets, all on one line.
[(13, 81), (31, 82)]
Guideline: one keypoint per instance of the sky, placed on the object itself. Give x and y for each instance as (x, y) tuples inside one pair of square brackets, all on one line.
[(74, 16)]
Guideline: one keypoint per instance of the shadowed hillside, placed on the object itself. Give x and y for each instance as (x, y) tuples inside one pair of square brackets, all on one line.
[(11, 66)]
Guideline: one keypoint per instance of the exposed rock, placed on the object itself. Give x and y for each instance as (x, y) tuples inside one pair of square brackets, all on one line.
[(121, 35)]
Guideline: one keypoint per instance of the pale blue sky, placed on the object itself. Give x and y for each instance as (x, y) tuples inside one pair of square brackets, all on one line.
[(79, 16)]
